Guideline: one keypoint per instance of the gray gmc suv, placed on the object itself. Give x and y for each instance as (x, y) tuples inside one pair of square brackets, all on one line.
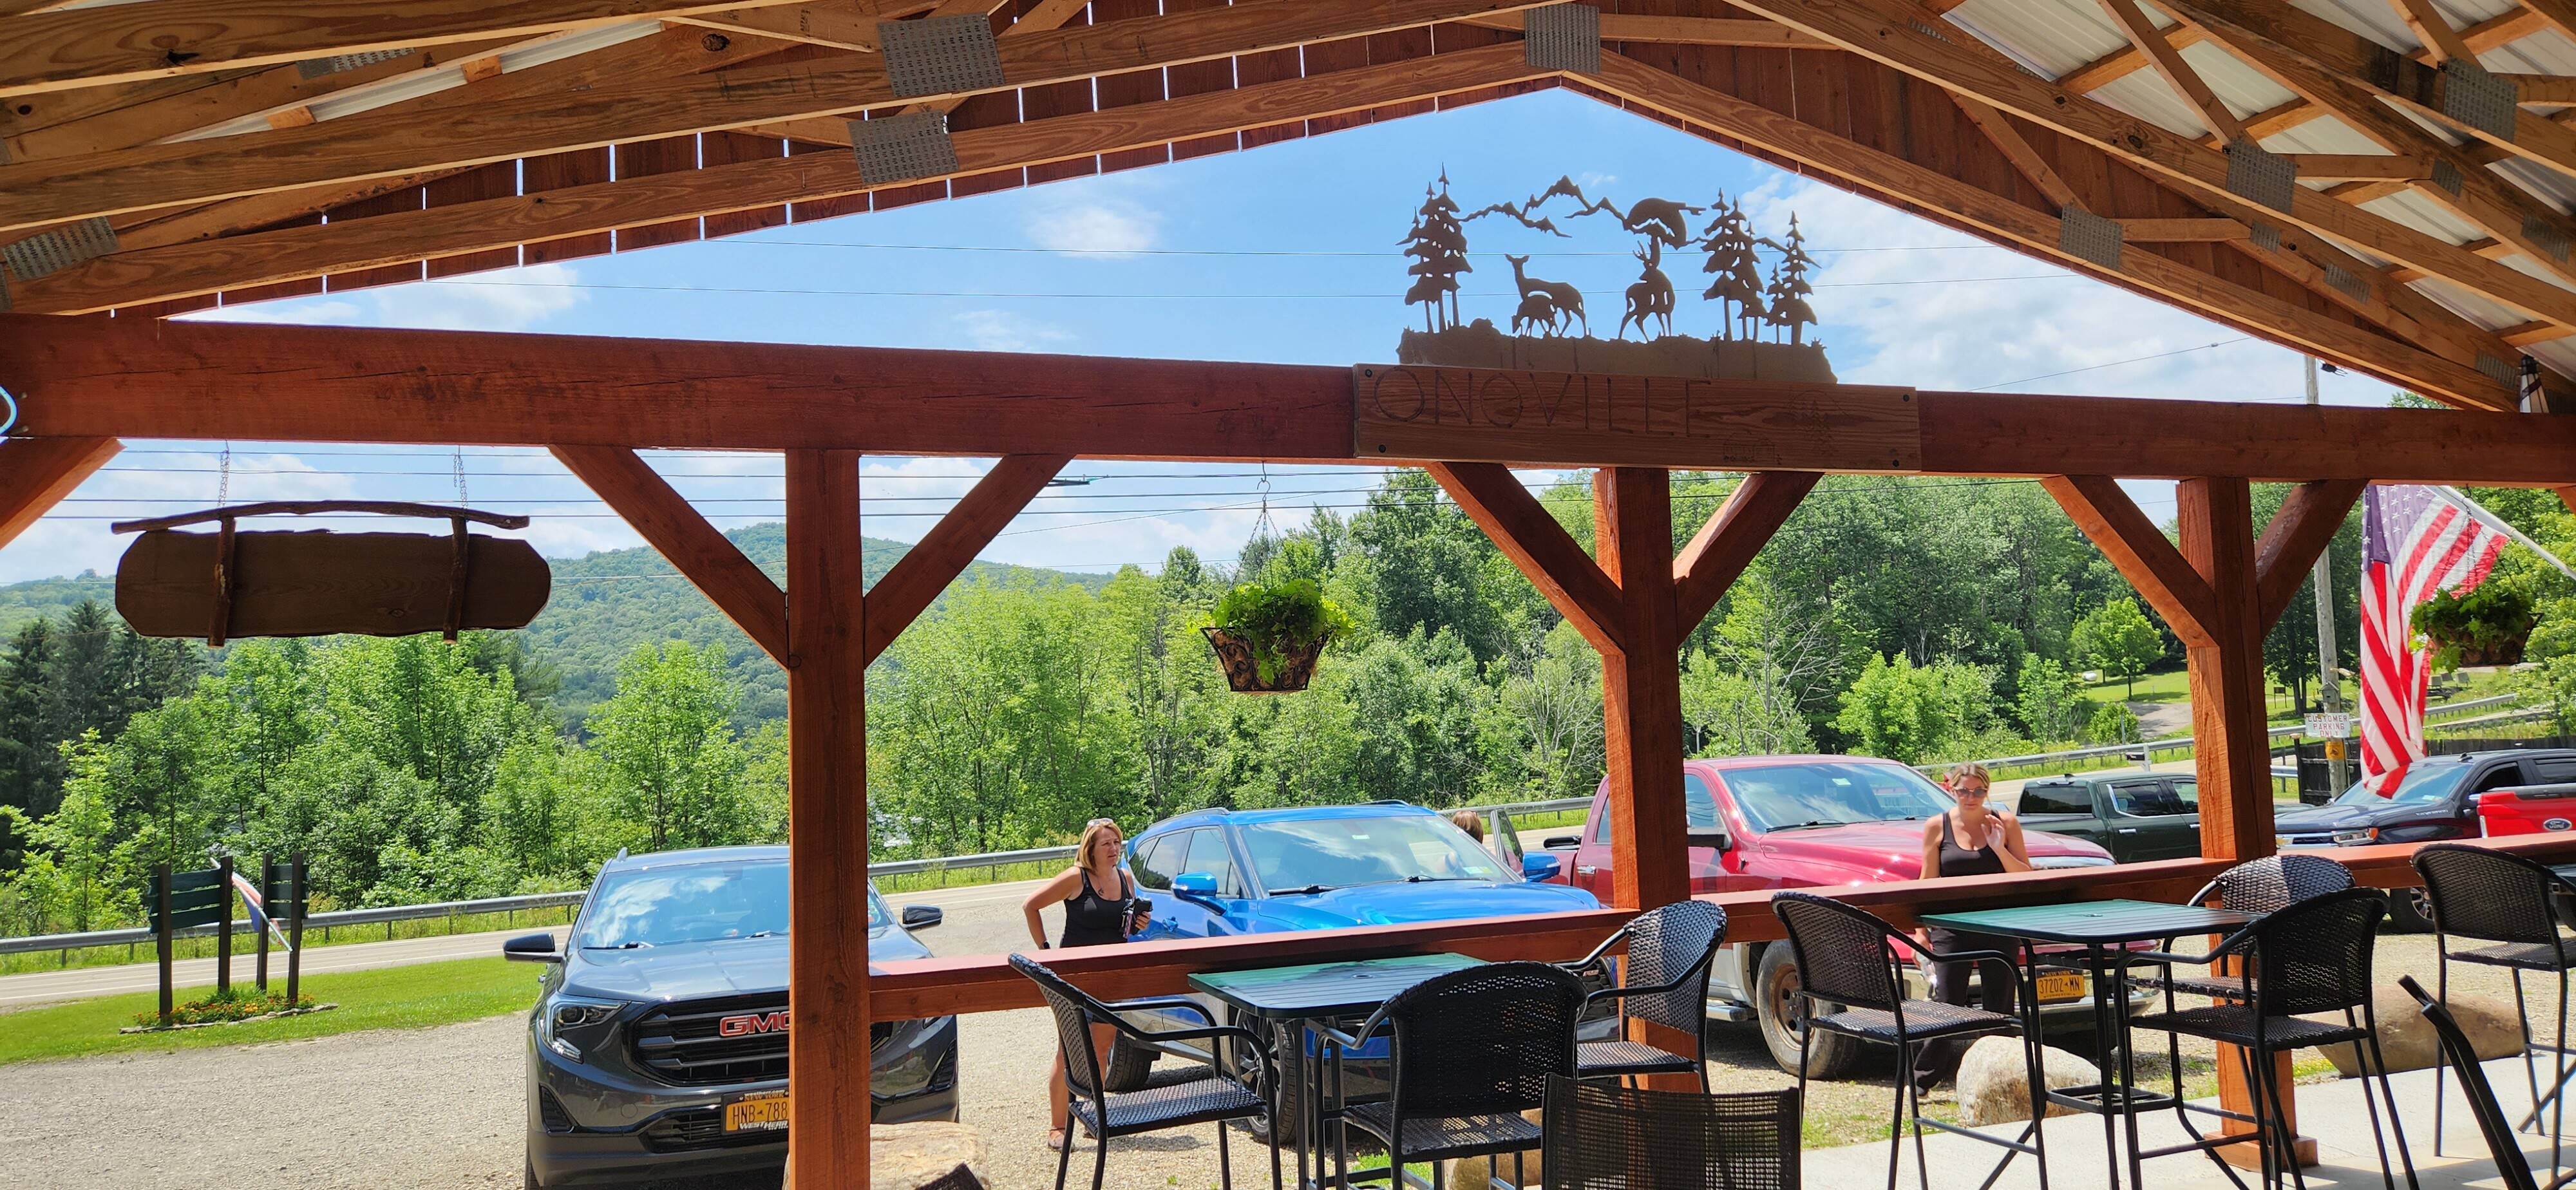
[(658, 1046)]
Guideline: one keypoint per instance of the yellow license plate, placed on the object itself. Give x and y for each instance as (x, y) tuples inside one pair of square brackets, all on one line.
[(2055, 986), (760, 1113)]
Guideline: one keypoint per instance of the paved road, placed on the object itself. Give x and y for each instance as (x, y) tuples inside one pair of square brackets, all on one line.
[(19, 991)]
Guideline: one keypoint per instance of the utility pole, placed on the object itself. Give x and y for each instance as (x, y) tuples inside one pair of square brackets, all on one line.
[(2329, 687)]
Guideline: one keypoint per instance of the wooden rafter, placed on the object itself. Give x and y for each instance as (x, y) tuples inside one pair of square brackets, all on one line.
[(2125, 61), (1880, 30), (942, 554), (1726, 544), (2178, 74), (92, 47), (1522, 528), (839, 24), (205, 265), (396, 142), (36, 473), (2439, 38), (2017, 149), (2346, 167), (1669, 30), (2301, 530), (273, 89), (2140, 550), (657, 511)]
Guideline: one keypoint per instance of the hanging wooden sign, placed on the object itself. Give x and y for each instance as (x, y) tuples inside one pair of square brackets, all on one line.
[(229, 583)]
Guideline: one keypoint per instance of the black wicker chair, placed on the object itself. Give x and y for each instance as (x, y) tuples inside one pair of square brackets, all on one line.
[(1213, 1099), (2492, 896), (2310, 959), (1472, 1050), (2463, 1057), (1601, 1136), (2255, 888), (1847, 961), (1670, 950)]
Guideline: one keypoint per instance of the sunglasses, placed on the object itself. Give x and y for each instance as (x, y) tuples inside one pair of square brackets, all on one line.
[(1099, 822)]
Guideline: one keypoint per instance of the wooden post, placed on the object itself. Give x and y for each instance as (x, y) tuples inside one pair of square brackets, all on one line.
[(295, 875), (224, 928), (267, 888), (1641, 689), (161, 932), (827, 836)]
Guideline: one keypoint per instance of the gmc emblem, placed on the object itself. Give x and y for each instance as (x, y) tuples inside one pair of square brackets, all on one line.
[(752, 1022)]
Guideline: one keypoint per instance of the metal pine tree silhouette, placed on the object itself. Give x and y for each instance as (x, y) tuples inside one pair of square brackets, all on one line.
[(1438, 246), (1789, 289), (1738, 287)]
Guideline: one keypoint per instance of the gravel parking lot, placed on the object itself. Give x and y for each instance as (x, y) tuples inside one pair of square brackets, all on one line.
[(442, 1107)]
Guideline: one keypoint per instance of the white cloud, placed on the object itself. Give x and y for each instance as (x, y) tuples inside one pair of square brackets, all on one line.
[(999, 330), (507, 300), (303, 312), (1095, 227)]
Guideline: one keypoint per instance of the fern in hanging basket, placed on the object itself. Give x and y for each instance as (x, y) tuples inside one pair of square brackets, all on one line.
[(2488, 626), (1268, 637)]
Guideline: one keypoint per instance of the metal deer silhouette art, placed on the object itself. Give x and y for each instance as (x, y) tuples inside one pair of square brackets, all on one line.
[(1652, 295), (1545, 303)]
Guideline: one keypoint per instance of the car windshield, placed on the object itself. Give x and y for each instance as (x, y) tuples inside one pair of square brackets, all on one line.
[(1316, 854), (1788, 796), (695, 903), (2415, 783)]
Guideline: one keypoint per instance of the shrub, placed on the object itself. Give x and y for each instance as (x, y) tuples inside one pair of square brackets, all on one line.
[(2488, 626)]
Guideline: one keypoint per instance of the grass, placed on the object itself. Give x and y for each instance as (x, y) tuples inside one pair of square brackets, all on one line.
[(244, 943), (411, 997)]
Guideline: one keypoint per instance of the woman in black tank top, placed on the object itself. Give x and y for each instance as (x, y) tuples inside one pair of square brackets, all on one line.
[(1970, 839), (1100, 908)]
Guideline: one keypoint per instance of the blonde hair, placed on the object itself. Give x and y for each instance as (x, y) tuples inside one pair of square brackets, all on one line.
[(1469, 821), (1091, 835), (1968, 770)]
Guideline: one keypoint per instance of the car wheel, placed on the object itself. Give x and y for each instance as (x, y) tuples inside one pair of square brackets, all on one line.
[(2409, 912), (1290, 1099), (1829, 1055), (1130, 1064)]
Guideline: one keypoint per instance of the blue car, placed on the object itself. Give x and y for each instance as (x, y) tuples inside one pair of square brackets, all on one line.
[(1221, 873)]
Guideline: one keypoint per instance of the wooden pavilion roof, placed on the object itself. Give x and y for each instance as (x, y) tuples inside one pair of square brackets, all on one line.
[(167, 155)]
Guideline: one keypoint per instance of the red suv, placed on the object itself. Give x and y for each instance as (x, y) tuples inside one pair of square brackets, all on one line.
[(1802, 822)]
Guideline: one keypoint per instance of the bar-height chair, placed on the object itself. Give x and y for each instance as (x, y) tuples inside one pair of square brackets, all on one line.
[(1471, 1051), (1665, 980), (2255, 888), (1214, 1099), (2310, 959), (2461, 1056), (2491, 896), (1848, 958), (1602, 1136)]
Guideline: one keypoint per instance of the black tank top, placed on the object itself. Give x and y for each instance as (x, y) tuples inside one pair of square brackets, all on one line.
[(1963, 861), (1093, 920)]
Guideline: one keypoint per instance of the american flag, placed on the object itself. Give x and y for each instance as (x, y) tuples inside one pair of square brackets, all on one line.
[(2415, 541)]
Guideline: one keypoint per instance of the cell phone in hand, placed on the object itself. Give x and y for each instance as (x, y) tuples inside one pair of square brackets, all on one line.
[(1137, 914)]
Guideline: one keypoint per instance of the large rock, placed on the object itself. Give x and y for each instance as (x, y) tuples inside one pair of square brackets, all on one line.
[(911, 1156), (1470, 1173), (1994, 1081), (2407, 1038)]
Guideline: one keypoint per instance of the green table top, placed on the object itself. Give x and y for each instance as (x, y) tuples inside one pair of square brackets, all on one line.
[(1320, 990), (2092, 922)]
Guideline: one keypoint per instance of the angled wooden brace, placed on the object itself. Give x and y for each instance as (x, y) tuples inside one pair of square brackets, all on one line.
[(36, 473), (928, 567), (1718, 554), (1555, 563), (2150, 562), (658, 512), (2303, 529)]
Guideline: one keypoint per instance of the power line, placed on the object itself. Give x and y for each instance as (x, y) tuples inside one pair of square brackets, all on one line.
[(1379, 295)]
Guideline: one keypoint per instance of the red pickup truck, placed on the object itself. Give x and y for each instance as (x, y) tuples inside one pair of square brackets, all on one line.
[(1800, 822)]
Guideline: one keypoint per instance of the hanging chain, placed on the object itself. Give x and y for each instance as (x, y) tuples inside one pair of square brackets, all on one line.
[(460, 476), (1262, 525), (224, 476)]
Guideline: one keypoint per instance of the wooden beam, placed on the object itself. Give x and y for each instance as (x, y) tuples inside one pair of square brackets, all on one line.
[(1660, 30), (2178, 74), (2345, 167), (2529, 333), (2441, 40), (217, 101), (1641, 688), (2125, 61), (2437, 367), (941, 555), (1880, 30), (2542, 88), (827, 837), (2134, 545), (2183, 231), (2233, 752), (2510, 26), (197, 266), (395, 142), (1727, 543), (2009, 141), (664, 518), (91, 47), (1524, 531), (36, 473), (841, 24), (2288, 549), (111, 378)]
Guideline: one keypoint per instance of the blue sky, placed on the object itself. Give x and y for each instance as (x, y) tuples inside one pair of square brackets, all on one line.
[(1284, 254)]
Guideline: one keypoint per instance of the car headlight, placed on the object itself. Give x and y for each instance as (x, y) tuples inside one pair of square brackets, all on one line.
[(573, 1024), (2357, 838)]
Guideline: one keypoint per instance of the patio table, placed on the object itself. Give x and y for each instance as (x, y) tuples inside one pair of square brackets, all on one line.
[(2104, 929), (1294, 996)]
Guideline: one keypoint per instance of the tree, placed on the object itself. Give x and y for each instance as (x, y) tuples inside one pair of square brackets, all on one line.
[(667, 754), (1895, 711), (2117, 638), (2051, 707)]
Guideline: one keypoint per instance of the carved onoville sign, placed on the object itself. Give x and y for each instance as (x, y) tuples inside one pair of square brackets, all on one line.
[(1405, 411)]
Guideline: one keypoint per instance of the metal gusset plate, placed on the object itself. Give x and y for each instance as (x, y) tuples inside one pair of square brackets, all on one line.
[(2349, 285), (940, 55), (2547, 237), (2478, 99), (903, 148), (2259, 176), (2447, 176), (2084, 234), (314, 68), (2497, 370), (2264, 235), (59, 249), (1563, 37)]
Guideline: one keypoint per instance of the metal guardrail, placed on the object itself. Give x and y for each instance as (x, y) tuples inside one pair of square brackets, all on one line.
[(138, 935), (2184, 743)]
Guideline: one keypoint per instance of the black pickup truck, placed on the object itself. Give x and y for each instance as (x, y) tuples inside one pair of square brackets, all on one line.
[(2134, 816)]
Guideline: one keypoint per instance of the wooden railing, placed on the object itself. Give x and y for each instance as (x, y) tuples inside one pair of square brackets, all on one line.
[(986, 983)]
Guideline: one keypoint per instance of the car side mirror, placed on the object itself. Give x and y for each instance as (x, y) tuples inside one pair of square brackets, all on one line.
[(2473, 802), (1710, 836), (1195, 885), (1562, 842), (1541, 866), (922, 917), (531, 948)]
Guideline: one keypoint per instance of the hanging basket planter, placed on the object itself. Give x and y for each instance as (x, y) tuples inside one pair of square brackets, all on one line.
[(2488, 626), (1235, 655), (1267, 638)]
